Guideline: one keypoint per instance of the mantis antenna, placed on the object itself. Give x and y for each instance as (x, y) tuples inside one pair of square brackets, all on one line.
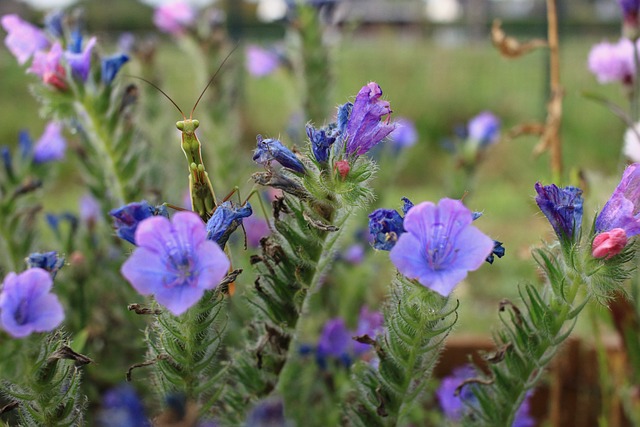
[(211, 80), (161, 91)]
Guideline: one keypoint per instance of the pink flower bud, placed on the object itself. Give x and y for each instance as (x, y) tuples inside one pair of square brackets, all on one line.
[(342, 166), (609, 243)]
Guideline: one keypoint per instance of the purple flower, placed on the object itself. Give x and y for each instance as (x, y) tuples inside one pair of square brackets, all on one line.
[(484, 128), (90, 209), (613, 62), (267, 413), (365, 127), (256, 228), (128, 217), (454, 405), (48, 261), (53, 23), (261, 62), (173, 18), (630, 9), (622, 210), (225, 220), (51, 145), (111, 65), (121, 407), (47, 65), (26, 304), (562, 207), (440, 245), (80, 60), (174, 261), (268, 150), (405, 134), (369, 323), (354, 254), (335, 339), (23, 39)]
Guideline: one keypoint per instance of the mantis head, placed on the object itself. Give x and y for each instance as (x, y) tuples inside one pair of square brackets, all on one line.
[(187, 125)]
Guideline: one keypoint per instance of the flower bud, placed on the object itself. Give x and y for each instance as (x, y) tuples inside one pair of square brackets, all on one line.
[(609, 243)]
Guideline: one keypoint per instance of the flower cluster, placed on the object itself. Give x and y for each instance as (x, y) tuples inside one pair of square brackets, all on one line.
[(26, 41)]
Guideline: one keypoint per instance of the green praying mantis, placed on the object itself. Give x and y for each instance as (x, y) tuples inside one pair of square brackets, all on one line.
[(203, 198)]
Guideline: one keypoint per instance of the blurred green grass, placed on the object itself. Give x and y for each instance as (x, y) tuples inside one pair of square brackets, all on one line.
[(438, 88)]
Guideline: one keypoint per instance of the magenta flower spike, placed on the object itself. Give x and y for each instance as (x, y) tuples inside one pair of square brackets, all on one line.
[(440, 246), (368, 122), (174, 261), (174, 18), (23, 39), (51, 146), (26, 304)]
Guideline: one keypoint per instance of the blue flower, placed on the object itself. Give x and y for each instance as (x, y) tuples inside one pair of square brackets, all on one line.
[(5, 153), (53, 23), (267, 413), (121, 407), (225, 220), (498, 251), (269, 149), (404, 135), (365, 127), (385, 227), (335, 341), (321, 142), (26, 304), (563, 209), (440, 246), (128, 217), (174, 261), (48, 261), (51, 146), (25, 144), (111, 65)]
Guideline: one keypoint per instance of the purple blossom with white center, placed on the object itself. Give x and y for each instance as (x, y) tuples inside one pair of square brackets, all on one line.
[(563, 209), (111, 65), (365, 127), (484, 128), (128, 217), (174, 261), (454, 404), (174, 18), (121, 407), (270, 149), (440, 246), (80, 62), (613, 62), (261, 62), (48, 66), (622, 210), (27, 305), (23, 39), (370, 323), (405, 134), (256, 228), (225, 220), (51, 146)]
